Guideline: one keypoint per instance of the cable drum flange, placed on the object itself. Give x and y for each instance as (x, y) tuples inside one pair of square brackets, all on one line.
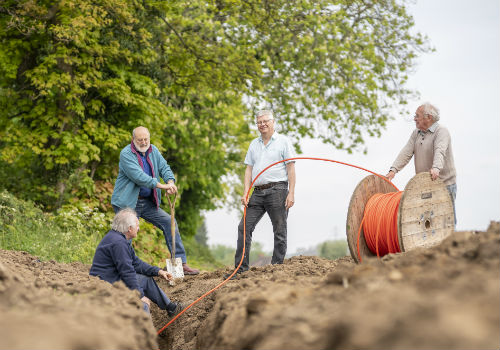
[(425, 215)]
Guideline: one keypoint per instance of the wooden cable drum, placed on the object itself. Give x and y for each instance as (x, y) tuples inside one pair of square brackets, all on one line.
[(425, 215)]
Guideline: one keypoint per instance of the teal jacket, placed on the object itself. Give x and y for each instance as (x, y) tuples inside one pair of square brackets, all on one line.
[(131, 176)]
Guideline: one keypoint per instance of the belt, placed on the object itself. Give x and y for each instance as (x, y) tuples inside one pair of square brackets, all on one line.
[(269, 185)]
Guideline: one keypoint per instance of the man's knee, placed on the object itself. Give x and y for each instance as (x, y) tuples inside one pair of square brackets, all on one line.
[(279, 224), (240, 227), (144, 281), (163, 221)]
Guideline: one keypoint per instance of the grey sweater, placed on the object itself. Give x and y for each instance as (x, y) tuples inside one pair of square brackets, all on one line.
[(432, 149)]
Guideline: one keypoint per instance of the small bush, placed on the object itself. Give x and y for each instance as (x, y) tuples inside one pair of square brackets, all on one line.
[(73, 233), (332, 249), (223, 254)]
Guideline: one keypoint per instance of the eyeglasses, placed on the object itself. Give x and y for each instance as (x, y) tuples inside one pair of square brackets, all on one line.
[(264, 122), (416, 116), (143, 140)]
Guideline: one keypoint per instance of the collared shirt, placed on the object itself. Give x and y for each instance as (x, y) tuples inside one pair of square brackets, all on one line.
[(432, 129), (260, 156), (432, 149), (145, 191)]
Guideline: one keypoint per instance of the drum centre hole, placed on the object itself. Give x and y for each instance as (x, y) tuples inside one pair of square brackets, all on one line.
[(427, 224)]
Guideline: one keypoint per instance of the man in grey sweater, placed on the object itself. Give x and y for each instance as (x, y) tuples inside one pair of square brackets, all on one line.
[(430, 143)]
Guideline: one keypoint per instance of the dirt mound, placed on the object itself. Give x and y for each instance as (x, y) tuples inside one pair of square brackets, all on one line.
[(47, 305), (446, 297)]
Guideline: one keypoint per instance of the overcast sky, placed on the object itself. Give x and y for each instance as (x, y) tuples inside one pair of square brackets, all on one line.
[(462, 78)]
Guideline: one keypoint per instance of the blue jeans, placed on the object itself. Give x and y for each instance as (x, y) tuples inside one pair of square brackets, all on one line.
[(453, 193), (270, 201), (153, 292), (146, 209)]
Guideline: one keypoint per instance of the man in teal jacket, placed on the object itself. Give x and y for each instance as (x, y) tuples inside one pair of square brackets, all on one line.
[(138, 186)]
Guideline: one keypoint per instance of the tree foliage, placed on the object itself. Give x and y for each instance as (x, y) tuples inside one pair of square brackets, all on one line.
[(201, 236), (225, 254), (76, 76), (333, 249)]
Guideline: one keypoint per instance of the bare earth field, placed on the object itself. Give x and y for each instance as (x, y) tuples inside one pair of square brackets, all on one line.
[(446, 297)]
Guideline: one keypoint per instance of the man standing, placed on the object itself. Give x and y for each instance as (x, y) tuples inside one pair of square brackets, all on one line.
[(430, 142), (273, 191), (138, 186), (115, 260)]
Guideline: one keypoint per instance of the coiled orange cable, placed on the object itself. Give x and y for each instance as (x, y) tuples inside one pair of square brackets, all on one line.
[(380, 222), (244, 227)]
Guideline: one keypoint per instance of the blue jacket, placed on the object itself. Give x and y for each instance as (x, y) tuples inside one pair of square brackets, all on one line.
[(115, 260), (131, 176)]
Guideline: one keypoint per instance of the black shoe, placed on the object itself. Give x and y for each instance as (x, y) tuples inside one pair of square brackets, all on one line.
[(236, 275), (178, 308)]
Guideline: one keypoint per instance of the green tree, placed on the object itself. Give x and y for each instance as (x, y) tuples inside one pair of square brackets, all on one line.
[(257, 252), (330, 69), (77, 75), (201, 236), (223, 254), (332, 249)]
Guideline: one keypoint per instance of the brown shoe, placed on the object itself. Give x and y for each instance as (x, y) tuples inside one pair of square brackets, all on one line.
[(189, 271)]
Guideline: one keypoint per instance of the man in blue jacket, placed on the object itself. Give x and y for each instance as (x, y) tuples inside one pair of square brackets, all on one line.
[(138, 186), (115, 260)]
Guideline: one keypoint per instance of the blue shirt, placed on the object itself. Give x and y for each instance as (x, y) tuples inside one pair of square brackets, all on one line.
[(144, 191), (115, 260), (260, 156)]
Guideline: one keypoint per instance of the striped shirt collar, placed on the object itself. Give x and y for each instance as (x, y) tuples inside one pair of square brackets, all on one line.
[(432, 129)]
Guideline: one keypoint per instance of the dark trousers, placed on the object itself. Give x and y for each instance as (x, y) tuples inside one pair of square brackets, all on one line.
[(153, 292), (270, 201)]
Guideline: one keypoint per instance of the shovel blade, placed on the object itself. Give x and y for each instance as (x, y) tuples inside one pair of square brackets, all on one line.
[(174, 266)]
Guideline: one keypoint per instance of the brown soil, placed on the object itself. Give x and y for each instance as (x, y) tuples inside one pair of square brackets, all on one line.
[(47, 305), (446, 297)]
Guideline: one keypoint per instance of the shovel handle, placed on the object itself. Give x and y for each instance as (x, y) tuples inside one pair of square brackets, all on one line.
[(171, 203), (172, 223)]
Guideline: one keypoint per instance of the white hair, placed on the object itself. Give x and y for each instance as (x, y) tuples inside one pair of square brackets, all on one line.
[(265, 112), (124, 219), (431, 110), (133, 131)]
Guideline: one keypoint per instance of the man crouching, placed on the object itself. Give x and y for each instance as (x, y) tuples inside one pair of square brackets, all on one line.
[(115, 260)]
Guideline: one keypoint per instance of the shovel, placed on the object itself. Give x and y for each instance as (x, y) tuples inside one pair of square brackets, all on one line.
[(174, 265)]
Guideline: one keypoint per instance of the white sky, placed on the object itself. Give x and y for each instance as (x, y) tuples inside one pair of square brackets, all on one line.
[(462, 78)]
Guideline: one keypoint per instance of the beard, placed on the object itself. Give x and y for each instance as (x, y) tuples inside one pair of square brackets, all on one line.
[(141, 149)]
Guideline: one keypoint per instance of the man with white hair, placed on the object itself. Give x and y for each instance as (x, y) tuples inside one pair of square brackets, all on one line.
[(115, 260), (274, 190), (138, 186), (430, 143)]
